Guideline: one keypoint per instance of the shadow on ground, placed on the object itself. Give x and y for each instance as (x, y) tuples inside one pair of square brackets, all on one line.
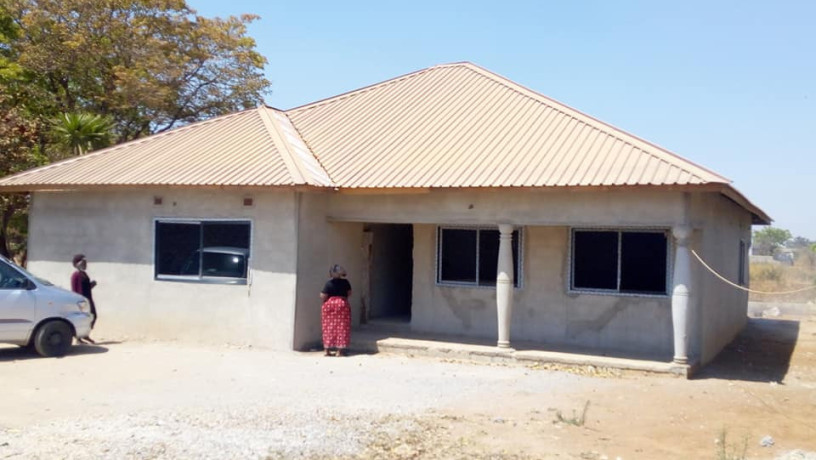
[(8, 354), (761, 353)]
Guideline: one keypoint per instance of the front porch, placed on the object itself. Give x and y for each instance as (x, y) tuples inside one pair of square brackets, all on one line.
[(396, 337), (412, 292)]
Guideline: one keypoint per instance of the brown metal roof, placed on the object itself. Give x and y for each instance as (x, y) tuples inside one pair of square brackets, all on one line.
[(256, 147), (448, 126), (459, 125)]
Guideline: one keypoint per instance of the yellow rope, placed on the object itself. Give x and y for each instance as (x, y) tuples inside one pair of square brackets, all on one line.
[(743, 287)]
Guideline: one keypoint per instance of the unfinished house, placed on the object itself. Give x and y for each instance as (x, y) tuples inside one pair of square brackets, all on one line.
[(460, 203)]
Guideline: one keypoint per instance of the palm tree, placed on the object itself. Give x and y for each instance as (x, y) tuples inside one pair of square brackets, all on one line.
[(80, 133)]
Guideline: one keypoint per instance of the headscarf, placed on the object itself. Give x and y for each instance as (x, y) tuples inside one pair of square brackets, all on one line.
[(337, 271), (78, 258)]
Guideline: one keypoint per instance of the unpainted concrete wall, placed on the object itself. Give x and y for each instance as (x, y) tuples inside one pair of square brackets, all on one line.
[(115, 231), (721, 310), (320, 245), (523, 207)]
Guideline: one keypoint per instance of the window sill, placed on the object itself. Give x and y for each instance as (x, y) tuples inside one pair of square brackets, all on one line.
[(578, 292), (197, 280), (472, 286)]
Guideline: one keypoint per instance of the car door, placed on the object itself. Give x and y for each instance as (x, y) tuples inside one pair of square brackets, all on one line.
[(18, 305)]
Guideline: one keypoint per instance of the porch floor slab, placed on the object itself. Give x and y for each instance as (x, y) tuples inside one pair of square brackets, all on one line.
[(373, 340)]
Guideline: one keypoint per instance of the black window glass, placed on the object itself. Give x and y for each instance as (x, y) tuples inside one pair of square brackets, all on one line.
[(489, 257), (202, 249), (458, 255), (595, 260), (226, 234), (229, 265), (643, 262), (175, 243)]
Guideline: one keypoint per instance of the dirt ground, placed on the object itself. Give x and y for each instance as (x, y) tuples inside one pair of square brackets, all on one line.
[(171, 400)]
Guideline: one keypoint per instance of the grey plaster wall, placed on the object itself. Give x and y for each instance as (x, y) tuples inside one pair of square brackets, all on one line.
[(320, 245), (115, 231), (523, 207), (721, 309)]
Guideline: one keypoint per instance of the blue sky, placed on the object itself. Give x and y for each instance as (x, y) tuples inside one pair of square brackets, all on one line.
[(730, 85)]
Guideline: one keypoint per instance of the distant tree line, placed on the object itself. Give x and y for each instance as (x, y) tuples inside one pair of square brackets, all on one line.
[(768, 241), (77, 75)]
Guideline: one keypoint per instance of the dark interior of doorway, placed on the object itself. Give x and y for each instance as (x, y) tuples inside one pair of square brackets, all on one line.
[(391, 271)]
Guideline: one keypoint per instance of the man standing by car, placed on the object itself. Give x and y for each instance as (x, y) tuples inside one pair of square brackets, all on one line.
[(81, 284)]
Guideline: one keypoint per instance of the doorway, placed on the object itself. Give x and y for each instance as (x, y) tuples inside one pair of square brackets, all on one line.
[(391, 271)]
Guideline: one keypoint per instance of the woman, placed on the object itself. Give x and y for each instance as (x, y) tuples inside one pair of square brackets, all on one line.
[(336, 312), (81, 284)]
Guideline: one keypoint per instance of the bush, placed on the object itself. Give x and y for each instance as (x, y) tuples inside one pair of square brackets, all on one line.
[(767, 272)]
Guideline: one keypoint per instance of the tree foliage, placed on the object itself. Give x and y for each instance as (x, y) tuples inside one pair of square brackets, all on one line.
[(78, 74), (148, 65), (19, 151), (79, 133), (768, 239), (798, 242)]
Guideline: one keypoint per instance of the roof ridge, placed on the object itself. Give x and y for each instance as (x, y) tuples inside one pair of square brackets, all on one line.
[(113, 148), (354, 92), (298, 175), (581, 116), (294, 163), (309, 148)]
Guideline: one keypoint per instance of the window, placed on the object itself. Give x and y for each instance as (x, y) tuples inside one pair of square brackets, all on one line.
[(633, 262), (743, 252), (469, 256), (208, 251)]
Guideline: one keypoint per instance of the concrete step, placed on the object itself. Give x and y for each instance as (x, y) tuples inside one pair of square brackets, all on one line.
[(382, 341)]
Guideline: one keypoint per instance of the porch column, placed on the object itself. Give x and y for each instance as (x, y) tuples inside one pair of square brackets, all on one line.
[(504, 284), (681, 292)]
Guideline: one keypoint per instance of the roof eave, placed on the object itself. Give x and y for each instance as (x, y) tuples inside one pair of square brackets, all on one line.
[(30, 188), (758, 216)]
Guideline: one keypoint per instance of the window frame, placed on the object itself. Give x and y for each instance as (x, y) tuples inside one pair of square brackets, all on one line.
[(518, 275), (203, 279), (616, 292), (742, 264)]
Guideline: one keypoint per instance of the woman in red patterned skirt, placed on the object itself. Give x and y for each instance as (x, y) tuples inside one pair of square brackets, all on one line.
[(336, 312)]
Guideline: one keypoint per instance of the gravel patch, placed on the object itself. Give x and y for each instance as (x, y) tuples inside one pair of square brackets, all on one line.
[(152, 401)]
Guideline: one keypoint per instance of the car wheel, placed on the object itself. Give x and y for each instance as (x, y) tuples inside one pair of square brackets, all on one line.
[(53, 339)]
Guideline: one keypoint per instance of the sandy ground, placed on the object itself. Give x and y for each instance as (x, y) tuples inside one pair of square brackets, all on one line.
[(170, 400)]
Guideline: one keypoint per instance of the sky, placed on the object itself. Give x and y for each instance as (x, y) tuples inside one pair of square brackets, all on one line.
[(729, 85)]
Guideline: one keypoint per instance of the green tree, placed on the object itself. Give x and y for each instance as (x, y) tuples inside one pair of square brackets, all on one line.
[(79, 133), (18, 151), (145, 66), (149, 65), (769, 239), (799, 242)]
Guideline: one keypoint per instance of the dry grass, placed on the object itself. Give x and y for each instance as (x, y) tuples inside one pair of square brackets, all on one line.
[(781, 277)]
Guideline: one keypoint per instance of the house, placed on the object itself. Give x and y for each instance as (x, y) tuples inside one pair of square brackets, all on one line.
[(459, 202)]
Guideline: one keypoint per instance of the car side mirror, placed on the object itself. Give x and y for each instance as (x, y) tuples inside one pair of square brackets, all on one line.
[(29, 285)]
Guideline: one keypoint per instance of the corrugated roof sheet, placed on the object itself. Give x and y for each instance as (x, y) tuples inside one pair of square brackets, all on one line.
[(250, 148), (459, 125), (449, 126)]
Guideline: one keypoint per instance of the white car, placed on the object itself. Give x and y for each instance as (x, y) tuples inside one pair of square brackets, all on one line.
[(34, 312)]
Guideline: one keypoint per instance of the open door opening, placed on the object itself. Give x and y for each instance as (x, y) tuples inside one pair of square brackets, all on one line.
[(391, 271)]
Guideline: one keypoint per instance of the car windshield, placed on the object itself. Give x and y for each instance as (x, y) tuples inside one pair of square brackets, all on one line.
[(42, 281)]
